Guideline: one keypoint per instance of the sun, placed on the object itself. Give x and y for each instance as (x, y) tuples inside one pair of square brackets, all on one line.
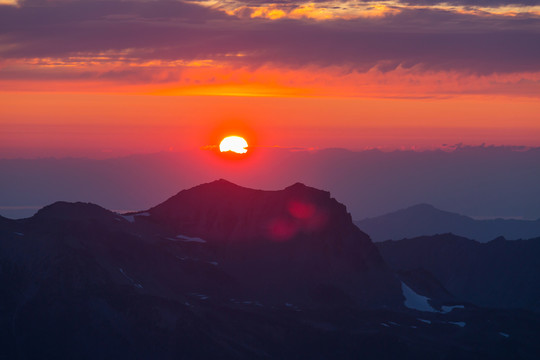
[(235, 144)]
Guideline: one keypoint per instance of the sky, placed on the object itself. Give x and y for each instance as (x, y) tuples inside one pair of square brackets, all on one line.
[(109, 77), (483, 181)]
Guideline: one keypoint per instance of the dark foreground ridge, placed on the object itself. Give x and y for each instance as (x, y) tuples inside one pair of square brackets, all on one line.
[(222, 271)]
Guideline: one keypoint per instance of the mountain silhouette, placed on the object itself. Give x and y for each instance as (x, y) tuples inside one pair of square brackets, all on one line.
[(222, 271), (424, 219)]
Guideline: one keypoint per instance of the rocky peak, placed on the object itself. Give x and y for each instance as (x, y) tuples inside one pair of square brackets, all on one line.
[(297, 239), (224, 211), (63, 210)]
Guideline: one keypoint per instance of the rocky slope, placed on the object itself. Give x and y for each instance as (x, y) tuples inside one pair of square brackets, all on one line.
[(498, 274)]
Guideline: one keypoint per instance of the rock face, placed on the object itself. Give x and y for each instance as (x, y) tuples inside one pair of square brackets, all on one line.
[(498, 274), (224, 212), (297, 241)]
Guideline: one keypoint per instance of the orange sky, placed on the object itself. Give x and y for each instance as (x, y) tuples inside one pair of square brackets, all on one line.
[(345, 77), (101, 124)]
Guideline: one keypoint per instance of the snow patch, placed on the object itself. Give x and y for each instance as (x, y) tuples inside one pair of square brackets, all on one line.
[(137, 285), (190, 239), (386, 325), (215, 263), (200, 296), (416, 301), (18, 233), (447, 309), (246, 302), (504, 335), (129, 218), (291, 306), (424, 321), (458, 323)]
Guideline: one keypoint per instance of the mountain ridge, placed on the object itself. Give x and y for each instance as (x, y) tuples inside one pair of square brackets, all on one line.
[(298, 237), (298, 205), (425, 219)]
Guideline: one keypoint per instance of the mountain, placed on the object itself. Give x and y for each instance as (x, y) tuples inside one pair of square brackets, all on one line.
[(298, 239), (425, 219), (222, 271), (497, 274)]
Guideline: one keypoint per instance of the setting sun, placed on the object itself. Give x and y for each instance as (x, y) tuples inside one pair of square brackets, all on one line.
[(235, 144)]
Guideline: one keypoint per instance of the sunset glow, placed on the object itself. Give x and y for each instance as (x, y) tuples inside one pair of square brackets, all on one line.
[(158, 76)]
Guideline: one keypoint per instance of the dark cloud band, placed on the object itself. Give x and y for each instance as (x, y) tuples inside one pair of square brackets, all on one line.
[(170, 30)]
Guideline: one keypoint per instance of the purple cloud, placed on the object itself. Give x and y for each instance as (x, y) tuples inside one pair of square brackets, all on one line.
[(170, 30)]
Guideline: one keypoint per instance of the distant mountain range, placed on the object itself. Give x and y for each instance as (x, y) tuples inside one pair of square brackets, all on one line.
[(223, 271), (424, 219)]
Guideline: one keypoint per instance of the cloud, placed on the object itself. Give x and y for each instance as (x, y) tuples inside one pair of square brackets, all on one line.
[(141, 31), (336, 3), (477, 3)]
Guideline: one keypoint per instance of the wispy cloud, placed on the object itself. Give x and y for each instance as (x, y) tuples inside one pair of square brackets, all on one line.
[(156, 41)]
